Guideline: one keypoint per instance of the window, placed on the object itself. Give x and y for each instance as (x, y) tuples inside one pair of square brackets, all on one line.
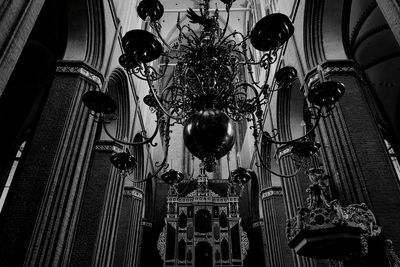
[(393, 158), (11, 175)]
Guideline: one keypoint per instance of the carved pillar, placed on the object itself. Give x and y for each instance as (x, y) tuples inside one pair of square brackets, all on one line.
[(354, 153), (45, 200), (391, 11)]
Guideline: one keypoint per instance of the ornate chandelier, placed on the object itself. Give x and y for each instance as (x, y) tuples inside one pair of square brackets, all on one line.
[(213, 85)]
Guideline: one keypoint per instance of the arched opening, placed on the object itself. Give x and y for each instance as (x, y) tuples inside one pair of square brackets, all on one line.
[(202, 221), (203, 255), (11, 174)]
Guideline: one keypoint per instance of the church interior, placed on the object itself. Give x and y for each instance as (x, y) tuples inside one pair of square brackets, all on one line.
[(200, 133)]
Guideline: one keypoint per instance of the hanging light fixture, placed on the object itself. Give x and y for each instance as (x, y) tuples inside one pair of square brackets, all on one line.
[(209, 90)]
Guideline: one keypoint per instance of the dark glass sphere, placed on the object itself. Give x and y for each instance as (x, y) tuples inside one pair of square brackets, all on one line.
[(209, 133)]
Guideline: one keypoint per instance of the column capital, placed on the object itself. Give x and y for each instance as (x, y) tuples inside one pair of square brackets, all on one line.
[(258, 223), (107, 146), (134, 192), (332, 67), (81, 68), (147, 223), (270, 192)]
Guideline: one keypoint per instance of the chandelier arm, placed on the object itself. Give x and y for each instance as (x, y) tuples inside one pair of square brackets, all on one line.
[(136, 73), (146, 141), (221, 92), (153, 74), (245, 38), (257, 94), (270, 57), (164, 67), (164, 92), (250, 71), (248, 65), (233, 34), (174, 99), (163, 109), (157, 29), (141, 181), (142, 75), (269, 139), (196, 76), (195, 37), (228, 7), (253, 102), (163, 164), (271, 171)]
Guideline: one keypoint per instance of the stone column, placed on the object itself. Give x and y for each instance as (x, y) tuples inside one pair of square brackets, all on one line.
[(101, 177), (354, 152), (293, 188), (276, 249), (278, 253), (107, 234), (129, 229), (38, 222), (16, 23), (147, 254), (391, 11)]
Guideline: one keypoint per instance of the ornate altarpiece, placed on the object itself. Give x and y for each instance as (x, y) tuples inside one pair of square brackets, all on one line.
[(203, 229)]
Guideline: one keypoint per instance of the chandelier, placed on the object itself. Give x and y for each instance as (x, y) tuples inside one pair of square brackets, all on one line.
[(213, 85)]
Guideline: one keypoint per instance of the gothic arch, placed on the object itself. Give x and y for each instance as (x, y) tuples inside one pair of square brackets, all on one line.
[(323, 31), (291, 106), (118, 89), (86, 32)]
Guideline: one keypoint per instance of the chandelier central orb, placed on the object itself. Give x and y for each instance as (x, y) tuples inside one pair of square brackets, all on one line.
[(209, 135)]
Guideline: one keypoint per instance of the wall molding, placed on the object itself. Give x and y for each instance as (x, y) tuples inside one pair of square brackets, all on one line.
[(82, 69)]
